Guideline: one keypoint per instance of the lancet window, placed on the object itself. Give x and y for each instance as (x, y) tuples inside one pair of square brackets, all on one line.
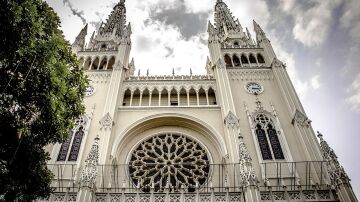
[(71, 147), (268, 138)]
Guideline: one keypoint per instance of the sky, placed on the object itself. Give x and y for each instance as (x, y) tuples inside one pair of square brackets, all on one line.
[(319, 40)]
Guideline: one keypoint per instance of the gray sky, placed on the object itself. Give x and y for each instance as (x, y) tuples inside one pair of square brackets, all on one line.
[(318, 40)]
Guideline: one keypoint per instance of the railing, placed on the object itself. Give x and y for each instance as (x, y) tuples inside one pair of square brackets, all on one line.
[(116, 178), (294, 175), (220, 177)]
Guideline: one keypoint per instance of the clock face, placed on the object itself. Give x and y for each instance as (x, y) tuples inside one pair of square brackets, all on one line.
[(254, 88), (89, 91)]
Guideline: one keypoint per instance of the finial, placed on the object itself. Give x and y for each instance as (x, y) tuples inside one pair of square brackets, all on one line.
[(190, 72), (258, 104), (147, 72), (320, 136), (173, 72), (139, 72)]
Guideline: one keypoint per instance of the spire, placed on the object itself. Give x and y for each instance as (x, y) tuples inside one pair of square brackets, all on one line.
[(79, 42), (260, 34), (224, 20), (335, 170), (250, 41), (116, 21)]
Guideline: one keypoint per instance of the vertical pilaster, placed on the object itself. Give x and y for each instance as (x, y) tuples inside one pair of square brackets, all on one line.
[(89, 174)]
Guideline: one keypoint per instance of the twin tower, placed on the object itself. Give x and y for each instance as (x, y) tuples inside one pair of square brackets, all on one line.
[(238, 133)]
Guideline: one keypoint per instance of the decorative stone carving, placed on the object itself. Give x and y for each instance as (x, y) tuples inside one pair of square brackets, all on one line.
[(220, 64), (89, 172), (231, 120), (168, 161), (300, 119), (251, 75), (277, 63), (106, 122), (247, 172), (335, 170)]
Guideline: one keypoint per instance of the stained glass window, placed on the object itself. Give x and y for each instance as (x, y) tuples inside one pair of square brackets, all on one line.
[(275, 143), (267, 137), (75, 148), (75, 144), (64, 149), (263, 143)]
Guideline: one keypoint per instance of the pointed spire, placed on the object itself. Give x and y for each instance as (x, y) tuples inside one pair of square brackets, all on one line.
[(249, 41), (225, 22), (132, 67), (116, 22), (173, 72), (260, 34), (79, 42)]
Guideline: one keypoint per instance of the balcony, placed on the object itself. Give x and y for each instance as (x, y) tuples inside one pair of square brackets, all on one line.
[(280, 181)]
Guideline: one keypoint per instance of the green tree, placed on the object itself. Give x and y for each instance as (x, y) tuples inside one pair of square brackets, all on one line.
[(41, 93)]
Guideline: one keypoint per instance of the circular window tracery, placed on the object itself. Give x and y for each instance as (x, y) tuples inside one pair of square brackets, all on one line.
[(169, 161)]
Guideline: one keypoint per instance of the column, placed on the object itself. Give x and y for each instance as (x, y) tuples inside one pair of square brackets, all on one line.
[(197, 98), (131, 97), (207, 97), (140, 98), (188, 98), (150, 96)]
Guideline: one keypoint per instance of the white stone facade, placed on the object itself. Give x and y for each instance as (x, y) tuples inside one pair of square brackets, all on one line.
[(193, 137)]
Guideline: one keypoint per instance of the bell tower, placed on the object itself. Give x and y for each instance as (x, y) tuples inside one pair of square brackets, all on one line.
[(272, 137)]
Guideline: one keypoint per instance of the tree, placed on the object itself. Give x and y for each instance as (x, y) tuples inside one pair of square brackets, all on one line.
[(41, 93)]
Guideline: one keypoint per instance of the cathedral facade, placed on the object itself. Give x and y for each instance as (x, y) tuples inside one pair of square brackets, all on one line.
[(238, 133)]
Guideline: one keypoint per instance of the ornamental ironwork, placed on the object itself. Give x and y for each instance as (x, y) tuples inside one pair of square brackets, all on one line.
[(169, 161)]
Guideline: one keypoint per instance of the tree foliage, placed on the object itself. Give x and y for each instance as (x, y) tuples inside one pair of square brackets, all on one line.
[(41, 93)]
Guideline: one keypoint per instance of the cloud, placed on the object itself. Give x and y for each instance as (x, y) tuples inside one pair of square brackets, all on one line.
[(351, 18), (312, 19), (315, 84), (75, 12), (189, 24), (354, 99)]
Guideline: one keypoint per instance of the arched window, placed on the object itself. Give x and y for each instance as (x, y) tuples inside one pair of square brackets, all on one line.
[(244, 59), (73, 141), (252, 59), (227, 61), (236, 44), (260, 58), (87, 63), (263, 143), (75, 148), (236, 61), (103, 63), (267, 137), (111, 63)]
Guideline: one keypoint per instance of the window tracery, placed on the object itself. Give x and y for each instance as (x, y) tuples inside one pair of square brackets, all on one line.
[(267, 137), (73, 141), (169, 160)]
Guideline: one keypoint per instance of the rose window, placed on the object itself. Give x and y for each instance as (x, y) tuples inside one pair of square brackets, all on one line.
[(170, 161)]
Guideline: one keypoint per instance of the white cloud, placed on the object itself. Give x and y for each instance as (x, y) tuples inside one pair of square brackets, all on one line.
[(354, 99), (351, 18), (312, 22), (315, 83)]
